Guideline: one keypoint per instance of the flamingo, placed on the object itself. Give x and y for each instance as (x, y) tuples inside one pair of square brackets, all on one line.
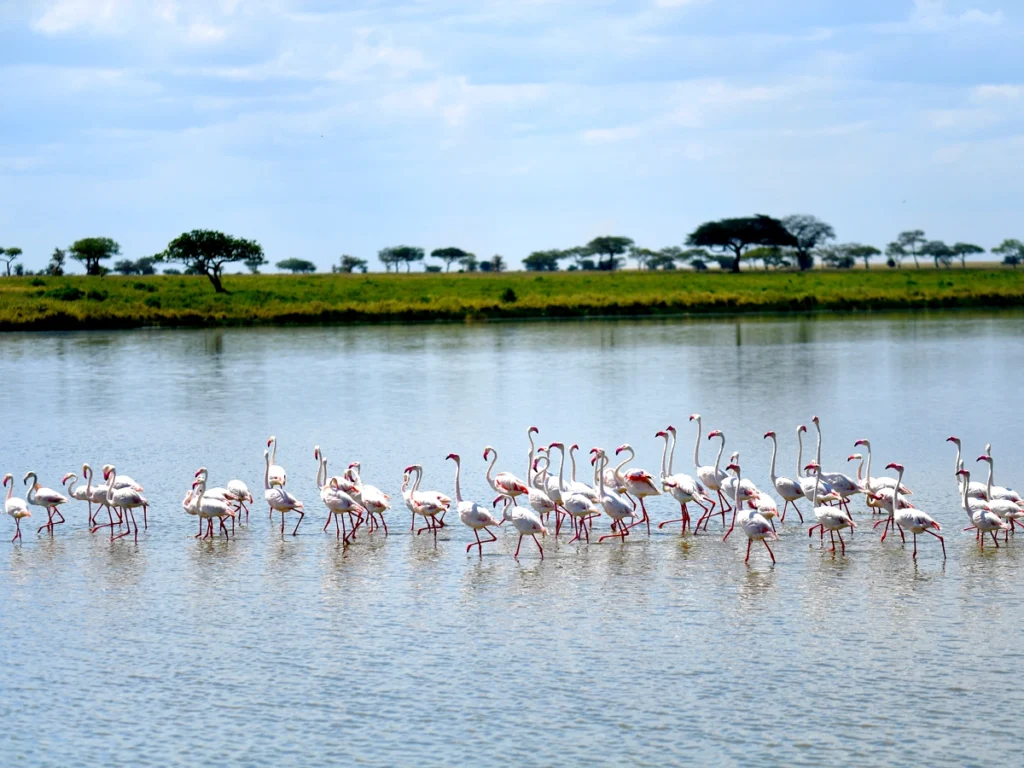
[(832, 518), (1005, 508), (578, 485), (876, 483), (15, 507), (278, 499), (539, 499), (681, 487), (844, 485), (505, 484), (242, 494), (126, 499), (710, 477), (754, 524), (343, 485), (638, 483), (48, 499), (123, 481), (190, 506), (219, 493), (719, 478), (98, 495), (748, 491), (998, 491), (982, 517), (209, 506), (551, 485), (82, 493), (613, 505), (766, 507), (526, 523), (373, 499), (429, 504), (579, 506), (339, 504), (790, 490), (913, 519), (471, 514), (975, 490)]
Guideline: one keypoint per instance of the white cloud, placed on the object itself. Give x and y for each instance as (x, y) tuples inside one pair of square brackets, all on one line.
[(934, 15), (61, 16), (205, 33), (675, 3), (998, 92), (610, 135)]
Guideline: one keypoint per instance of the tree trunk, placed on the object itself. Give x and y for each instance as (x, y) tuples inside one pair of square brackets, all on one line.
[(447, 266), (916, 264), (963, 262), (736, 262), (215, 279)]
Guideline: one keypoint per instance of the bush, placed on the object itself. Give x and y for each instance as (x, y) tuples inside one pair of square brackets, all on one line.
[(152, 301), (172, 271), (432, 268), (147, 287), (64, 293), (37, 281), (509, 296), (95, 295), (890, 263)]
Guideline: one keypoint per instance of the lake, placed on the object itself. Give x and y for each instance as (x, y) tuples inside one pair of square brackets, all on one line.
[(659, 651)]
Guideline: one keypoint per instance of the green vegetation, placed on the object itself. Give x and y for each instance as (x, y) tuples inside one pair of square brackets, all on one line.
[(80, 302)]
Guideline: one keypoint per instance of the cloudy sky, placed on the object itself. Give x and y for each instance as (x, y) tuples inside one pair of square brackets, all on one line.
[(504, 126)]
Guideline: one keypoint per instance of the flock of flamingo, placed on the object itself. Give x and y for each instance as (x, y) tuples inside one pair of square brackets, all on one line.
[(616, 492)]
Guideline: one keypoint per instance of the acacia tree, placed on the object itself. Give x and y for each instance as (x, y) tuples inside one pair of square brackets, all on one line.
[(1012, 251), (642, 256), (206, 251), (90, 251), (469, 262), (811, 233), (911, 242), (738, 235), (9, 255), (858, 251), (255, 261), (297, 266), (611, 246), (350, 264), (448, 255), (542, 261), (896, 253), (398, 254), (56, 265), (939, 251), (962, 250)]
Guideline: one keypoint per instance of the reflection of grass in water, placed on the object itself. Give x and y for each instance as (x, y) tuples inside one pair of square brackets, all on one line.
[(116, 302)]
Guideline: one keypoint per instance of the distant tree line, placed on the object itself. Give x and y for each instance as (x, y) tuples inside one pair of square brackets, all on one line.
[(798, 241)]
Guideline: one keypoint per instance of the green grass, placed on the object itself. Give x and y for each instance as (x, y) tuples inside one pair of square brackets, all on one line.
[(67, 303)]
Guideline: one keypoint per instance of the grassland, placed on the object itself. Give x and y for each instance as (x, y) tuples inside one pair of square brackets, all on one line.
[(75, 303)]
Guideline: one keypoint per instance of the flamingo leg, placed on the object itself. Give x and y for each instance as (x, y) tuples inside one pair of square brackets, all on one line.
[(832, 536), (915, 544), (17, 529), (770, 553), (841, 542), (942, 541), (749, 542), (516, 555), (539, 547), (798, 512), (477, 544), (301, 515)]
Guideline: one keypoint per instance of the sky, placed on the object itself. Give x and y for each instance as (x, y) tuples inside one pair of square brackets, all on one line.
[(504, 126)]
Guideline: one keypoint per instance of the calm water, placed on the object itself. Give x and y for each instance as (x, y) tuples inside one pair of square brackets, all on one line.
[(260, 651)]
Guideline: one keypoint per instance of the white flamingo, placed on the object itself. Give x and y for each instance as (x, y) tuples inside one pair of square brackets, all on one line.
[(617, 508), (579, 506), (123, 481), (1006, 509), (339, 504), (15, 507), (472, 515), (808, 483), (243, 496), (639, 483), (429, 504), (373, 499), (278, 499), (913, 519), (505, 484), (127, 500), (876, 483), (842, 484), (790, 490), (833, 519), (209, 507), (753, 524), (998, 491), (975, 490), (48, 499), (82, 493), (980, 516), (719, 478), (540, 502), (709, 477), (526, 523), (341, 484), (681, 487), (219, 493), (579, 486)]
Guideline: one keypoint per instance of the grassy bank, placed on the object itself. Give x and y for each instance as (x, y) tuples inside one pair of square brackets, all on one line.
[(68, 303)]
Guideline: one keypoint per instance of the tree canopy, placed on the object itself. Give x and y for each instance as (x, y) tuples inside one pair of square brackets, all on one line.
[(56, 265), (90, 251), (963, 250), (543, 261), (810, 233), (609, 248), (865, 252), (399, 254), (448, 255), (911, 242), (206, 251), (1012, 251), (939, 251), (738, 235), (296, 266), (350, 264), (254, 261)]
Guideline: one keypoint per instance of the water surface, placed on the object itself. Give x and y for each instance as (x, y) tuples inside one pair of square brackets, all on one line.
[(661, 651)]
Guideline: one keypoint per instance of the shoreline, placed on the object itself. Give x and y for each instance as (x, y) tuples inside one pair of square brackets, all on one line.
[(125, 303)]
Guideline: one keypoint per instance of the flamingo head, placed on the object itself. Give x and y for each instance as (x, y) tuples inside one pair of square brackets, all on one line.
[(410, 468), (271, 441), (535, 463), (487, 452), (694, 416), (354, 465), (542, 450), (671, 429), (452, 456), (532, 430), (594, 450), (768, 434), (621, 448), (64, 479), (574, 447), (334, 484), (812, 465), (661, 433), (8, 478), (714, 433), (854, 457), (316, 452), (863, 442), (963, 472), (815, 419), (556, 445), (733, 467), (200, 471), (801, 428), (953, 439), (984, 458), (894, 465)]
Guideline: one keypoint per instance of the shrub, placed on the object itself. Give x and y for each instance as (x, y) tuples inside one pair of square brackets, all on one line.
[(95, 295), (432, 268), (152, 301), (37, 281), (509, 296), (64, 293)]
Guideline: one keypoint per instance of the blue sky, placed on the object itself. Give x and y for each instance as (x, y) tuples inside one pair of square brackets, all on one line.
[(504, 126)]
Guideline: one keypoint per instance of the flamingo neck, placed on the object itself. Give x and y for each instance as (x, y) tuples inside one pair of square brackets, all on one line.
[(110, 485), (696, 446), (867, 473), (799, 454), (603, 463), (490, 468), (458, 489), (572, 458), (989, 484), (561, 471), (529, 464), (718, 458), (775, 450), (621, 464), (896, 493), (671, 452), (266, 471), (664, 454)]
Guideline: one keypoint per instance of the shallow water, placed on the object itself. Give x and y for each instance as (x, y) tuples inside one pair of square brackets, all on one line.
[(263, 651)]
